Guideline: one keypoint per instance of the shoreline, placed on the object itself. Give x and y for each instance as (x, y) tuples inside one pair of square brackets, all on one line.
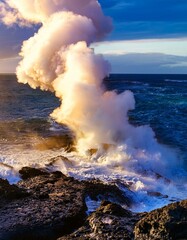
[(50, 206)]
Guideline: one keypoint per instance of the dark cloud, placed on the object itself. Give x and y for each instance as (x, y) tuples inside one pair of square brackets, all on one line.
[(135, 19), (152, 63), (147, 10), (149, 30)]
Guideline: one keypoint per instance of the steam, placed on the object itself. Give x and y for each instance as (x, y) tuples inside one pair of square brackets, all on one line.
[(58, 58)]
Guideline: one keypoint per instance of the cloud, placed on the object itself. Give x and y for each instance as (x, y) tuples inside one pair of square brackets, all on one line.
[(176, 64), (140, 19), (152, 63), (171, 46), (147, 10), (148, 30)]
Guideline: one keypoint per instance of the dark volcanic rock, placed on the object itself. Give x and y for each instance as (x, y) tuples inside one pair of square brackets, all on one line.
[(46, 206), (27, 172), (10, 192), (55, 207), (167, 223), (96, 190), (110, 221)]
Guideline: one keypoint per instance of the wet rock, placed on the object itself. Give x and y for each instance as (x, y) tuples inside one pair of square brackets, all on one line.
[(109, 221), (46, 206), (55, 207), (96, 190), (167, 223), (10, 192), (61, 161), (27, 172)]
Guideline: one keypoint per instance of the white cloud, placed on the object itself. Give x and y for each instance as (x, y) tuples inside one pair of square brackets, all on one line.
[(175, 46), (151, 63), (177, 64)]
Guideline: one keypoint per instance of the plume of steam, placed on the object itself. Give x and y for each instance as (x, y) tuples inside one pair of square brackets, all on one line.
[(10, 16), (58, 58)]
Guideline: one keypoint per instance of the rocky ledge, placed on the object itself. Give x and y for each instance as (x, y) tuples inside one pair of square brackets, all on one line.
[(50, 206), (167, 223), (109, 221)]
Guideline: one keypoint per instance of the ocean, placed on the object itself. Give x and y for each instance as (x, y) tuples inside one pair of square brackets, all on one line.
[(30, 137)]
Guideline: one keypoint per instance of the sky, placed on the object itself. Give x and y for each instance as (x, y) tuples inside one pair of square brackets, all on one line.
[(149, 36)]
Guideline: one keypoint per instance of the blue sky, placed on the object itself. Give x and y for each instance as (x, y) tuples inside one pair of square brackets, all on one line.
[(149, 36)]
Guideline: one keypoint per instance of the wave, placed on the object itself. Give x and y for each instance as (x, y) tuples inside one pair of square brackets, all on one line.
[(176, 80), (149, 181)]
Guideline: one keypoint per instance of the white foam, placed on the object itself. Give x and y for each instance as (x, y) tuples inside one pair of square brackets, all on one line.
[(147, 188), (175, 80)]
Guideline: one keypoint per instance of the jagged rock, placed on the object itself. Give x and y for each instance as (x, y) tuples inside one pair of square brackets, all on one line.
[(110, 221), (10, 192), (45, 206), (55, 205), (59, 159), (167, 223), (27, 172), (99, 191)]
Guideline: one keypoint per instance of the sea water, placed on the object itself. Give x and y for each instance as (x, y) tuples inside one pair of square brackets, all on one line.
[(30, 137)]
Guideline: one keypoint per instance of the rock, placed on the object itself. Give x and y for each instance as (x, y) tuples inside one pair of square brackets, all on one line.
[(59, 162), (58, 159), (167, 223), (54, 207), (109, 221), (96, 190), (46, 206), (27, 172), (10, 192)]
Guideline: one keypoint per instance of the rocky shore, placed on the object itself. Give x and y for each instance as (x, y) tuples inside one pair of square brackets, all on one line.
[(50, 206)]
